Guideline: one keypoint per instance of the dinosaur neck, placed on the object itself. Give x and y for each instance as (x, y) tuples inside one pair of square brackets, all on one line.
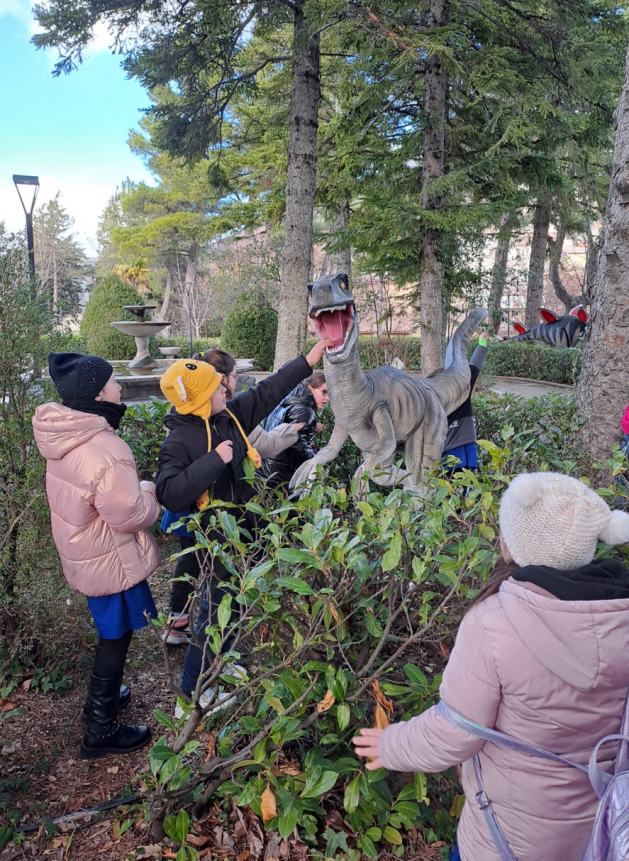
[(347, 376)]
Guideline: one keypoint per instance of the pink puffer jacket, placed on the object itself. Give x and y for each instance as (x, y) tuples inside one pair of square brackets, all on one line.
[(552, 672), (99, 510)]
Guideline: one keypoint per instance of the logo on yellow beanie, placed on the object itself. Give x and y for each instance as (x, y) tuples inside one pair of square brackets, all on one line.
[(189, 385)]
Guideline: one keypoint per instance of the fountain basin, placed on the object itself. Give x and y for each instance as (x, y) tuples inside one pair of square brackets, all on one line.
[(143, 383), (141, 330)]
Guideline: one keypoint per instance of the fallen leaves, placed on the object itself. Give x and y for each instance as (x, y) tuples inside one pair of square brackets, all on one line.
[(268, 805), (384, 707), (327, 702)]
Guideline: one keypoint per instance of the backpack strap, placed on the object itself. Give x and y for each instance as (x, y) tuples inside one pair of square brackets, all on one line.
[(502, 738), (598, 778), (484, 804)]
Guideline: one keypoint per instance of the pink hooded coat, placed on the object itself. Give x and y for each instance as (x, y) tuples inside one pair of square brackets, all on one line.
[(552, 672), (99, 510)]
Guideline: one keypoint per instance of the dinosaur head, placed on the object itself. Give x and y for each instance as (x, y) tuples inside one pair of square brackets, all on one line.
[(332, 310)]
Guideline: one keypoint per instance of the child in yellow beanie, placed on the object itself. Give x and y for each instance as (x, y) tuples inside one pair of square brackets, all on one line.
[(203, 457)]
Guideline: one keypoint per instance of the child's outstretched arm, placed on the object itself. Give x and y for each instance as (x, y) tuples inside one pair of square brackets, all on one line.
[(429, 742), (254, 405), (126, 504)]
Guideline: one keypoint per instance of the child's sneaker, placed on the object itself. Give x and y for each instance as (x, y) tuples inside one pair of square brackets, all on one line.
[(177, 631), (206, 697)]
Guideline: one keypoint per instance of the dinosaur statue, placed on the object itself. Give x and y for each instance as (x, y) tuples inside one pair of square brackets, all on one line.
[(382, 408), (562, 331)]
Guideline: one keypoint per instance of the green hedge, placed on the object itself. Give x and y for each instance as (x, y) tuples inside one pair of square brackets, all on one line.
[(375, 351), (250, 330), (104, 306), (64, 342), (505, 358), (535, 361)]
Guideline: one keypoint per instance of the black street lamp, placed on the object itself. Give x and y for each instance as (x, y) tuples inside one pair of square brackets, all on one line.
[(30, 185)]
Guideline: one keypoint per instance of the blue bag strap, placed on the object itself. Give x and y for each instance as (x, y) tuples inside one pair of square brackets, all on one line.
[(484, 804), (502, 738)]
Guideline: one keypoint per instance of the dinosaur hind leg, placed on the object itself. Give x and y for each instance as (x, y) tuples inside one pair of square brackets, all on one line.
[(423, 449)]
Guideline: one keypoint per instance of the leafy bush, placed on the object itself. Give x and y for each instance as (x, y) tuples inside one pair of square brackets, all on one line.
[(250, 330), (64, 342), (104, 306), (345, 611), (532, 360), (143, 429), (38, 616)]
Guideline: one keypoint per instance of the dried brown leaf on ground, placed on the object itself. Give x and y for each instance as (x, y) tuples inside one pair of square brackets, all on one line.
[(268, 805)]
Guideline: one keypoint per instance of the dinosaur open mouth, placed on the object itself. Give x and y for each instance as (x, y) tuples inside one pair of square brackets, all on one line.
[(334, 324)]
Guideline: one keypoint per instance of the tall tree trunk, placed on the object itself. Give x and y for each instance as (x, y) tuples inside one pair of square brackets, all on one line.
[(433, 167), (537, 261), (55, 286), (192, 265), (162, 311), (593, 249), (554, 268), (300, 190), (499, 271), (341, 260), (603, 389)]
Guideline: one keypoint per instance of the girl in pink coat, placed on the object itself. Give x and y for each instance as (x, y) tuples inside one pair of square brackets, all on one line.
[(100, 515), (543, 655)]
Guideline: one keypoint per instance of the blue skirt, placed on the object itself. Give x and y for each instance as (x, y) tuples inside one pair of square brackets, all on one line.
[(467, 455), (114, 615)]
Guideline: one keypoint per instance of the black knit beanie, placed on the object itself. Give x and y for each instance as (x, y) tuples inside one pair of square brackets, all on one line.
[(78, 377)]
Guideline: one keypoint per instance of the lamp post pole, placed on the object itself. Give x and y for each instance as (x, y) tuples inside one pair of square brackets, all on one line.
[(30, 183)]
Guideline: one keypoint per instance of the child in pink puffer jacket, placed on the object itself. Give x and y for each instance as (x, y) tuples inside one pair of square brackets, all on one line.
[(541, 655), (101, 514)]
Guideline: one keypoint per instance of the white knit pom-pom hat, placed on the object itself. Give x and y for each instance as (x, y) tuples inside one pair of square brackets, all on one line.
[(551, 519)]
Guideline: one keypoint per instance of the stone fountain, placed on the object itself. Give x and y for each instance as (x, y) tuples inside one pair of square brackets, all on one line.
[(141, 329)]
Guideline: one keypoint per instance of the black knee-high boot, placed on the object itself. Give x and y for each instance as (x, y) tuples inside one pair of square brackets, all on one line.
[(103, 733)]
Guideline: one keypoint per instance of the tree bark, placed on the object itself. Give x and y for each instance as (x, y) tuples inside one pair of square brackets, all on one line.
[(300, 190), (341, 260), (537, 261), (433, 167), (190, 279), (499, 271), (603, 388), (554, 269)]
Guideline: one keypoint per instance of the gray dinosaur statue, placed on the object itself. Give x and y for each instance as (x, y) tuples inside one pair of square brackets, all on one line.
[(385, 407)]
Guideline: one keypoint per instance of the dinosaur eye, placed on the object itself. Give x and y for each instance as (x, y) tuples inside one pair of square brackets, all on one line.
[(190, 366)]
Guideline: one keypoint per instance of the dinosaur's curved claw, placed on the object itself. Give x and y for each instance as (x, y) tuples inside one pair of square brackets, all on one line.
[(302, 475)]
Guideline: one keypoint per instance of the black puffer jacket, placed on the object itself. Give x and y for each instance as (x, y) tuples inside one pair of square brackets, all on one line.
[(298, 406), (185, 467)]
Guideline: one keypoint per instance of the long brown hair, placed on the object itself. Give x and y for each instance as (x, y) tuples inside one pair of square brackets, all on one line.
[(502, 571)]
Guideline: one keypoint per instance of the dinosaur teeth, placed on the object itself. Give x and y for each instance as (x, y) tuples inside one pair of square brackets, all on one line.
[(324, 310)]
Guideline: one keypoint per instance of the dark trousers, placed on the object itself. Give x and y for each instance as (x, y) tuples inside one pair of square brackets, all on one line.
[(194, 665), (181, 590)]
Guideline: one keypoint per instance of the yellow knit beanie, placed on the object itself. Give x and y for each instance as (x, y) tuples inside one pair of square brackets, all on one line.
[(189, 384)]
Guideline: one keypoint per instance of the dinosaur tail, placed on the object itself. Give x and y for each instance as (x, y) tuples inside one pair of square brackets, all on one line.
[(453, 384)]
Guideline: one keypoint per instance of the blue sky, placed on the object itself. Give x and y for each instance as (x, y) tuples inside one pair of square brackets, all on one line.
[(70, 131)]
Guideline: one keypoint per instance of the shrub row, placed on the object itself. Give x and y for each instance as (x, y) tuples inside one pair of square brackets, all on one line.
[(536, 361)]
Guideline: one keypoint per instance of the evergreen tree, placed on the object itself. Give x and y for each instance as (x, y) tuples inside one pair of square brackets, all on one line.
[(60, 262)]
